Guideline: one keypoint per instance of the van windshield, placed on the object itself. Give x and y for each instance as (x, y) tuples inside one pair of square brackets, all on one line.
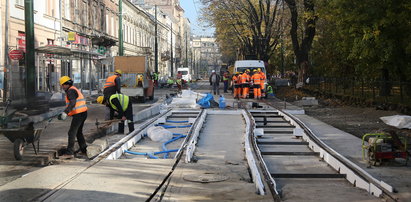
[(242, 69), (184, 72)]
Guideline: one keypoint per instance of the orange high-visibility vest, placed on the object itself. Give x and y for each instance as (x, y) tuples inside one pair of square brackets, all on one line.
[(80, 103), (235, 79), (110, 81), (257, 78), (245, 78)]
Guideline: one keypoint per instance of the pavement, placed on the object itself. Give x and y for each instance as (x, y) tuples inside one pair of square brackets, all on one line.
[(130, 179)]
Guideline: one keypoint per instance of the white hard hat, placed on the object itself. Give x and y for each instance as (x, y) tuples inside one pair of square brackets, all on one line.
[(213, 71)]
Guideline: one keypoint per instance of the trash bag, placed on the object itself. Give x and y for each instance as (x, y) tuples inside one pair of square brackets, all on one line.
[(159, 134)]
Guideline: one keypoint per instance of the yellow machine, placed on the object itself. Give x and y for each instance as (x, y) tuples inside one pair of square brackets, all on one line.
[(380, 147)]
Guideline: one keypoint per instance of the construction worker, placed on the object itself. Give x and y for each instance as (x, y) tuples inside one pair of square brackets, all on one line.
[(113, 84), (245, 83), (170, 82), (122, 105), (256, 81), (262, 82), (155, 77), (76, 108), (236, 83), (179, 80), (270, 92)]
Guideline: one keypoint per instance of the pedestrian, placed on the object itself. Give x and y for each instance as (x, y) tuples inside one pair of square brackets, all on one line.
[(122, 105), (215, 82), (113, 84), (75, 107), (226, 78)]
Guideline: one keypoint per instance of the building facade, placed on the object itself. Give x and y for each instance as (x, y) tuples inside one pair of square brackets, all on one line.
[(79, 38)]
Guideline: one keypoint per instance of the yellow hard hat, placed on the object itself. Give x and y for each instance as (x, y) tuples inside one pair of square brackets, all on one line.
[(254, 70), (64, 79), (100, 99), (247, 70), (259, 69), (118, 71)]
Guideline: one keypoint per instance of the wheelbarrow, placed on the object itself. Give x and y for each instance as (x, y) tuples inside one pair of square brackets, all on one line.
[(23, 136)]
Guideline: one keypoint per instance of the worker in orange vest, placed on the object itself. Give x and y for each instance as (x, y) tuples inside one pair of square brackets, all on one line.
[(77, 108), (262, 83), (256, 80), (245, 83), (236, 83), (113, 84)]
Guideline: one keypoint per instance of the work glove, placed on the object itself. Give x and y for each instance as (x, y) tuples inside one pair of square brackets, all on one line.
[(62, 116)]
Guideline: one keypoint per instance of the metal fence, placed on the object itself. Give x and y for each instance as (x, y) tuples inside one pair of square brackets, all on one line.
[(370, 90)]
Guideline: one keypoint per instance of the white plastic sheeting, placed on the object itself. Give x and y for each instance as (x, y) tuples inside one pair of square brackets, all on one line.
[(187, 99), (159, 134), (398, 121)]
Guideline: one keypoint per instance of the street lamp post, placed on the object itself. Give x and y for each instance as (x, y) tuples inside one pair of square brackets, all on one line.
[(30, 54)]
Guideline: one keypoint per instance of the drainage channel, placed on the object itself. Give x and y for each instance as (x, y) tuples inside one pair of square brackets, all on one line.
[(296, 168)]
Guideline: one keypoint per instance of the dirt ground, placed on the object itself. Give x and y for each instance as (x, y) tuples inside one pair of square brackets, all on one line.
[(352, 119)]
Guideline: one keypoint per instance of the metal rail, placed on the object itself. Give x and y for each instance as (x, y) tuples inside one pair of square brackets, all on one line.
[(353, 173), (46, 195)]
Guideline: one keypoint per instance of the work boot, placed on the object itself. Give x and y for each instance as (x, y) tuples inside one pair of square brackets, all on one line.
[(66, 154)]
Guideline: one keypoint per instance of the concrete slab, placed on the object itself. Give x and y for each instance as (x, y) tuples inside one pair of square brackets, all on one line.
[(220, 152), (282, 148), (332, 190), (296, 164)]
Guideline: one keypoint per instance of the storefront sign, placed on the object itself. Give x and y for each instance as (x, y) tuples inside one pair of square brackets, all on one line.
[(16, 54), (72, 36), (21, 41)]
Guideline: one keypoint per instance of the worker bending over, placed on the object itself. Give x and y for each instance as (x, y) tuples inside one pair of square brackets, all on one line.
[(122, 105)]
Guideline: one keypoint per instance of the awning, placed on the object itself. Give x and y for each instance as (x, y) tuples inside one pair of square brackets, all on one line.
[(102, 41), (56, 50)]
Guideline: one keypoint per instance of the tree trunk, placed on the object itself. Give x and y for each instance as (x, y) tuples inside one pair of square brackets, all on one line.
[(302, 50)]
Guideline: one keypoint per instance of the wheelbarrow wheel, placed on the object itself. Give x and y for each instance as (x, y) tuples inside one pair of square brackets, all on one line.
[(18, 149)]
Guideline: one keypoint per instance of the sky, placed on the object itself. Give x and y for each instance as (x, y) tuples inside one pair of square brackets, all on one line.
[(192, 10)]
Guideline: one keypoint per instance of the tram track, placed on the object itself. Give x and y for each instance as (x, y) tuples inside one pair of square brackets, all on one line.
[(283, 155), (117, 150), (288, 151)]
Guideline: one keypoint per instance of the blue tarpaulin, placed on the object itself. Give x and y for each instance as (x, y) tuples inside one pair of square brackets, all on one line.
[(205, 101)]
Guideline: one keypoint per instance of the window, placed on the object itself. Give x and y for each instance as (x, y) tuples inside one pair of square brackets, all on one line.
[(107, 24), (50, 7), (67, 9), (50, 42), (20, 2)]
